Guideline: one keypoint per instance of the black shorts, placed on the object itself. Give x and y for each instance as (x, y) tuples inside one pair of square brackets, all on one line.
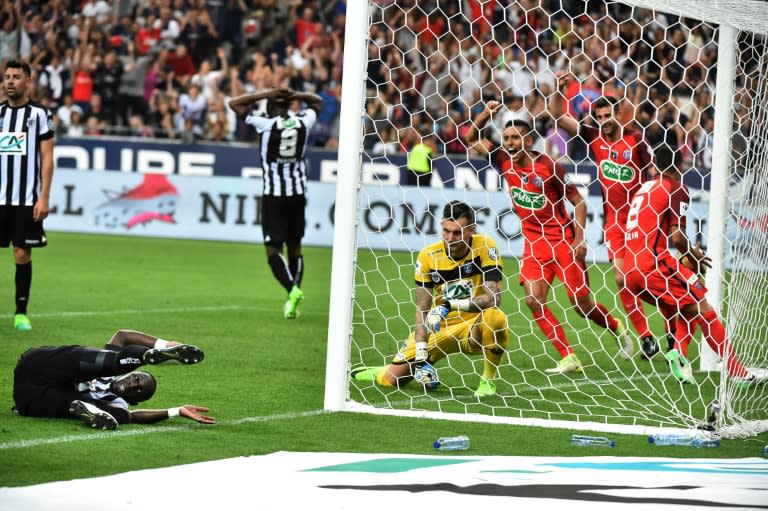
[(282, 219), (17, 226), (45, 379)]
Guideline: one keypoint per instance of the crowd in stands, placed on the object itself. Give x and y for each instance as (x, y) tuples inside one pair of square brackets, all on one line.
[(166, 68), (435, 74)]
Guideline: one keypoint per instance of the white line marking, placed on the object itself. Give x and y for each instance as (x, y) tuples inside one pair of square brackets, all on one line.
[(99, 435), (213, 308)]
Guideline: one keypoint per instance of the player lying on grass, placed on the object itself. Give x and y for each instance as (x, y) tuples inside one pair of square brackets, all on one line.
[(657, 219), (459, 282), (97, 385)]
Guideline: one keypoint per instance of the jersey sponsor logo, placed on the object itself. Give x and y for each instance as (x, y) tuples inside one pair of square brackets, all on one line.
[(129, 360), (527, 200), (13, 142), (615, 172), (290, 122), (458, 290)]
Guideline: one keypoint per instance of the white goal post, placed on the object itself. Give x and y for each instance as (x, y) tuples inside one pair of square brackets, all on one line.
[(381, 222)]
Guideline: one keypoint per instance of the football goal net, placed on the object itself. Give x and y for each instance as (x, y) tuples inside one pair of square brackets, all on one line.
[(689, 74)]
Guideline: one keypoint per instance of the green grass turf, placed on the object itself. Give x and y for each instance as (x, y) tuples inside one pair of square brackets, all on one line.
[(263, 376)]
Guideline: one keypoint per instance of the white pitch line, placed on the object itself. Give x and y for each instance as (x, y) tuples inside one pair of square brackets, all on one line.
[(212, 308), (529, 390), (99, 435)]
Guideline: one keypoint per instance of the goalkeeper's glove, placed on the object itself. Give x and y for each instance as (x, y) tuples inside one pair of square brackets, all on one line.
[(435, 317), (421, 352)]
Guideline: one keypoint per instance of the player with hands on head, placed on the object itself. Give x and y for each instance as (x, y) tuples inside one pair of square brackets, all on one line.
[(554, 242), (656, 220), (283, 143), (459, 283), (622, 157), (97, 385)]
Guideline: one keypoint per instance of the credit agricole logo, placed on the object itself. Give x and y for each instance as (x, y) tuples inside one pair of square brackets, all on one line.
[(13, 143)]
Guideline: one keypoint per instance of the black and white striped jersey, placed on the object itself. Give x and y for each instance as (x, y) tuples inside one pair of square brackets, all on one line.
[(282, 147), (22, 130)]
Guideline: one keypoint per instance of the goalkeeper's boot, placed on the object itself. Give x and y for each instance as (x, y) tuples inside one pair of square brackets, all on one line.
[(650, 348), (568, 364), (291, 307), (486, 388), (680, 367), (93, 416), (183, 353), (624, 339), (22, 323), (365, 373)]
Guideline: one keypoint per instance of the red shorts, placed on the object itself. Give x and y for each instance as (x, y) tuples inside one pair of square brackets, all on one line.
[(669, 283), (614, 241), (542, 261)]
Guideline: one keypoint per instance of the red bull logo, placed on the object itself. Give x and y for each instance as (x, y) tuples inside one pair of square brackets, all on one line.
[(154, 200)]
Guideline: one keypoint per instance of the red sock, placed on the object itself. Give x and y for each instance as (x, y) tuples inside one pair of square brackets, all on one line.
[(714, 333), (683, 334), (601, 317), (635, 312), (552, 330), (670, 317)]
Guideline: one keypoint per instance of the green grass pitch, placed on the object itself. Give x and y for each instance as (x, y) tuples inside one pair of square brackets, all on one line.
[(263, 376)]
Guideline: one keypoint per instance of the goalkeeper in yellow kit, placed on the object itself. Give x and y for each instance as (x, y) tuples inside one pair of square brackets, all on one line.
[(459, 282)]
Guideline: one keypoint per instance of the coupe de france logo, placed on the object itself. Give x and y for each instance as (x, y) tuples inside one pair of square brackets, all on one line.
[(13, 142), (493, 254)]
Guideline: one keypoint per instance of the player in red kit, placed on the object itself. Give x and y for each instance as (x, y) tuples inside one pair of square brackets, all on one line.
[(554, 242), (622, 157), (656, 219)]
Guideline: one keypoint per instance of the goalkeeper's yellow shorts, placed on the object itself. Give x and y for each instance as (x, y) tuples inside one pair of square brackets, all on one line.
[(454, 336)]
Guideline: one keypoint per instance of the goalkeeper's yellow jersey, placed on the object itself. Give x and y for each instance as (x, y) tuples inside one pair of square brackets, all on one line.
[(458, 279)]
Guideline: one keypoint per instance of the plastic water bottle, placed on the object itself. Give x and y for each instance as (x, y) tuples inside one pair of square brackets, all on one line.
[(687, 440), (765, 451), (452, 443), (584, 440)]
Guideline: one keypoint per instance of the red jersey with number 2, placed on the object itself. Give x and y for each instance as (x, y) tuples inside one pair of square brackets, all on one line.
[(621, 169), (538, 192), (658, 206)]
